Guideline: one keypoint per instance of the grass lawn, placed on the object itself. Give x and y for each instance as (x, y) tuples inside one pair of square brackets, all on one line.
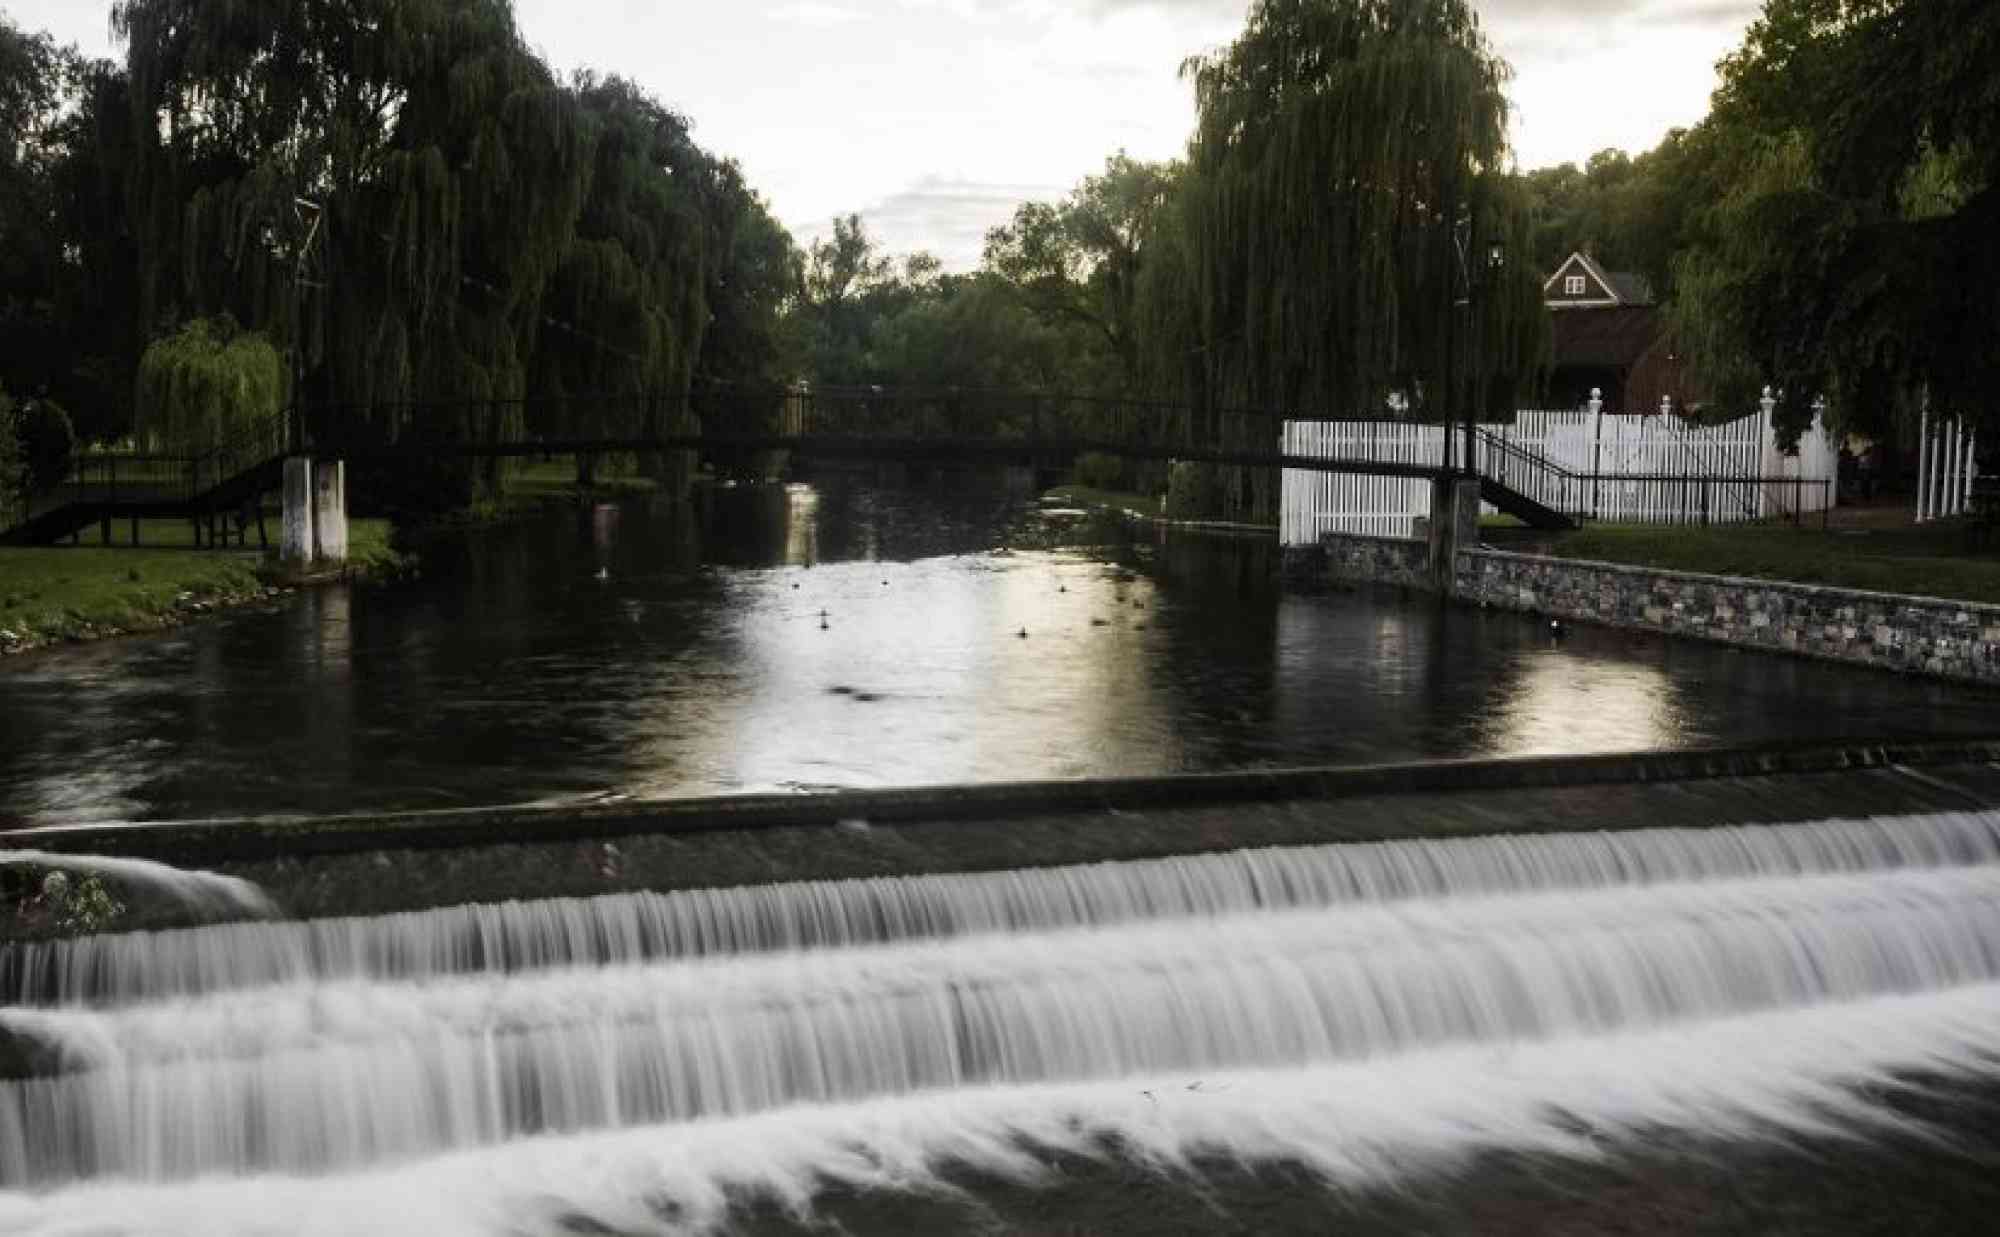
[(556, 478), (1931, 560), (58, 592)]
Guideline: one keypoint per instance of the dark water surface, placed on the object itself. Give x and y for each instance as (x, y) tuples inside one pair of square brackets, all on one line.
[(656, 651)]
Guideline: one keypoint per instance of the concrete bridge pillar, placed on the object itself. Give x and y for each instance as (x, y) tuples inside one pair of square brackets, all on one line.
[(315, 513), (296, 546), (1454, 525), (329, 514)]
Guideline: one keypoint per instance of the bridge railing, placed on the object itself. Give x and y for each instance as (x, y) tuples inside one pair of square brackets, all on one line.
[(772, 415), (1056, 420)]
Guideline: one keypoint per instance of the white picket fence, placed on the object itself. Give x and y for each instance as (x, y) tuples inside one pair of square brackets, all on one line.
[(1945, 467), (1587, 463)]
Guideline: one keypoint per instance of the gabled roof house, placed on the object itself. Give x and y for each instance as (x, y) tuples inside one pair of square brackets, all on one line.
[(1609, 336)]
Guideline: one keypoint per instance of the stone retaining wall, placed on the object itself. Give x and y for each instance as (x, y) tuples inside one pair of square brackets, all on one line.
[(1381, 560), (1950, 639)]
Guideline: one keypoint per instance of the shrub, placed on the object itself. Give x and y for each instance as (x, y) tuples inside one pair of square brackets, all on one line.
[(47, 443), (1194, 490), (1098, 471)]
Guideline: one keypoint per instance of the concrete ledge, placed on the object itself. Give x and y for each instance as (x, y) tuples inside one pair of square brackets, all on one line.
[(222, 841)]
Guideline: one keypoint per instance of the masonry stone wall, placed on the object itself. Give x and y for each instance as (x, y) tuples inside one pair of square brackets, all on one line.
[(1382, 560), (1955, 640)]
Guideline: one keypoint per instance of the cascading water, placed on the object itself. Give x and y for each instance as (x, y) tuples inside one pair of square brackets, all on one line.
[(1358, 1008)]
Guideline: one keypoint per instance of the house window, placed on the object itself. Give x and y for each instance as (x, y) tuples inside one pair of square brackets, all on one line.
[(1572, 285)]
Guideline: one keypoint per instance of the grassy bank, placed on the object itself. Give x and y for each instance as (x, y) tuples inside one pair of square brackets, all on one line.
[(537, 485), (57, 593), (1931, 560)]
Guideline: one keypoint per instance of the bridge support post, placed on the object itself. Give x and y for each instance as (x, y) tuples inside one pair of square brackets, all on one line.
[(295, 547), (1454, 525), (329, 514)]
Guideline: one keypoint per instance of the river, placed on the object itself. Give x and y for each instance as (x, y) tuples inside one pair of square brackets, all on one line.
[(847, 634)]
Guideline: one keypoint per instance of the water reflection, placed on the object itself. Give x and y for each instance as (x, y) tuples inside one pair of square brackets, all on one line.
[(663, 651), (1549, 701)]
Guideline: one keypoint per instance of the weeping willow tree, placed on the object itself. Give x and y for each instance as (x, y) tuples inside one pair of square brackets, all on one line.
[(1343, 187), (624, 313), (410, 158), (206, 384)]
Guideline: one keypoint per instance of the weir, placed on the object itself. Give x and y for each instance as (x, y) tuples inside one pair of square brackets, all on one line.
[(1358, 1008)]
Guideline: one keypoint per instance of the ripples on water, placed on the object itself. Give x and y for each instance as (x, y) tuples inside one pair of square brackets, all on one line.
[(1369, 1011), (670, 652)]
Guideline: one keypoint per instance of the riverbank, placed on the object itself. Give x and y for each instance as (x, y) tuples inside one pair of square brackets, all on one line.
[(1916, 560), (62, 594)]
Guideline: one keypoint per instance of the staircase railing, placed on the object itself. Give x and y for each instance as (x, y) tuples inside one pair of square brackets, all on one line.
[(166, 479), (1530, 473), (258, 443)]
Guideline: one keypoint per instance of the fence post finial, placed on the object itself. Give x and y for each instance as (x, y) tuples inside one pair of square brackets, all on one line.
[(1596, 400), (1769, 402), (1666, 405)]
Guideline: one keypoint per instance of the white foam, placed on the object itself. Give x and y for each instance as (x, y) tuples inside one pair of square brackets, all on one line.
[(1790, 1074), (1908, 929), (332, 1076), (631, 928)]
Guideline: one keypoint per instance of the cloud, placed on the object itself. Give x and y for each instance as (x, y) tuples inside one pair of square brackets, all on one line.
[(810, 13), (946, 215)]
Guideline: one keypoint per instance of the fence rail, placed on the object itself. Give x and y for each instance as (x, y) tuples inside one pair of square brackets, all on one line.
[(1586, 463), (1946, 472)]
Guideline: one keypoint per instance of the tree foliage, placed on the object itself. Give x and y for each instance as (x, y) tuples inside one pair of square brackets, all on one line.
[(66, 320), (1628, 212), (1854, 252), (1338, 145), (47, 443), (1078, 261), (440, 232), (13, 475), (205, 385)]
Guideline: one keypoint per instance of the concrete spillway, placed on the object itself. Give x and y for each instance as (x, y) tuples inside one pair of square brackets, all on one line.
[(639, 1060)]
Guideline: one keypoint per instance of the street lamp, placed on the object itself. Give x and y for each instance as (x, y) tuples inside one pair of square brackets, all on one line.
[(1496, 259)]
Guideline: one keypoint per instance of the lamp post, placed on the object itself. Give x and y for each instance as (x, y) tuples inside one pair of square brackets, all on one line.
[(1496, 259)]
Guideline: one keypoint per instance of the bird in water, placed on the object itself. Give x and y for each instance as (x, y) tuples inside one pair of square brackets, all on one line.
[(1023, 633)]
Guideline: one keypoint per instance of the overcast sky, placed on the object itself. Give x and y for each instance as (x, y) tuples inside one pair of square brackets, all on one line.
[(934, 118)]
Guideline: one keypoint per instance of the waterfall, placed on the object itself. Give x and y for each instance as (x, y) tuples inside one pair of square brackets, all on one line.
[(828, 914), (1358, 1008)]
